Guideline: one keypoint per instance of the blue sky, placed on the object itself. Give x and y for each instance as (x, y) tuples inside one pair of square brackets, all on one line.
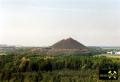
[(43, 22)]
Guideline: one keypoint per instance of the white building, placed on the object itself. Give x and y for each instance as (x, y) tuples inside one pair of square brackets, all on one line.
[(110, 52), (117, 52)]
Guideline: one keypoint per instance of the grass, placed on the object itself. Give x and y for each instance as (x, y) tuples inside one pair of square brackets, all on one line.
[(110, 55)]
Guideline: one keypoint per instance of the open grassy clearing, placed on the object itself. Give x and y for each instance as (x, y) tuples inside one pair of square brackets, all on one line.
[(109, 55)]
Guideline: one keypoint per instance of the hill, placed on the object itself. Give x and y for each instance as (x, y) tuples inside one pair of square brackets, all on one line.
[(68, 44)]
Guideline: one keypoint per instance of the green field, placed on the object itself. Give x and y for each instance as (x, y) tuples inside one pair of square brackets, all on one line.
[(111, 55)]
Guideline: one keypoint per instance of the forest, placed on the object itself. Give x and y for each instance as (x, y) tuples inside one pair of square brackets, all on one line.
[(26, 67)]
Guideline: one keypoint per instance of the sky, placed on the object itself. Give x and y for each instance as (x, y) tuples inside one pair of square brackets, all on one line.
[(44, 22)]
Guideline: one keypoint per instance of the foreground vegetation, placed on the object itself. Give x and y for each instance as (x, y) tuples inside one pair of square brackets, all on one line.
[(36, 68), (26, 66)]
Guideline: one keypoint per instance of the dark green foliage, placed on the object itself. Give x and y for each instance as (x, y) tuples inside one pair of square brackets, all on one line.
[(6, 75), (51, 68), (57, 78), (33, 66), (19, 77)]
